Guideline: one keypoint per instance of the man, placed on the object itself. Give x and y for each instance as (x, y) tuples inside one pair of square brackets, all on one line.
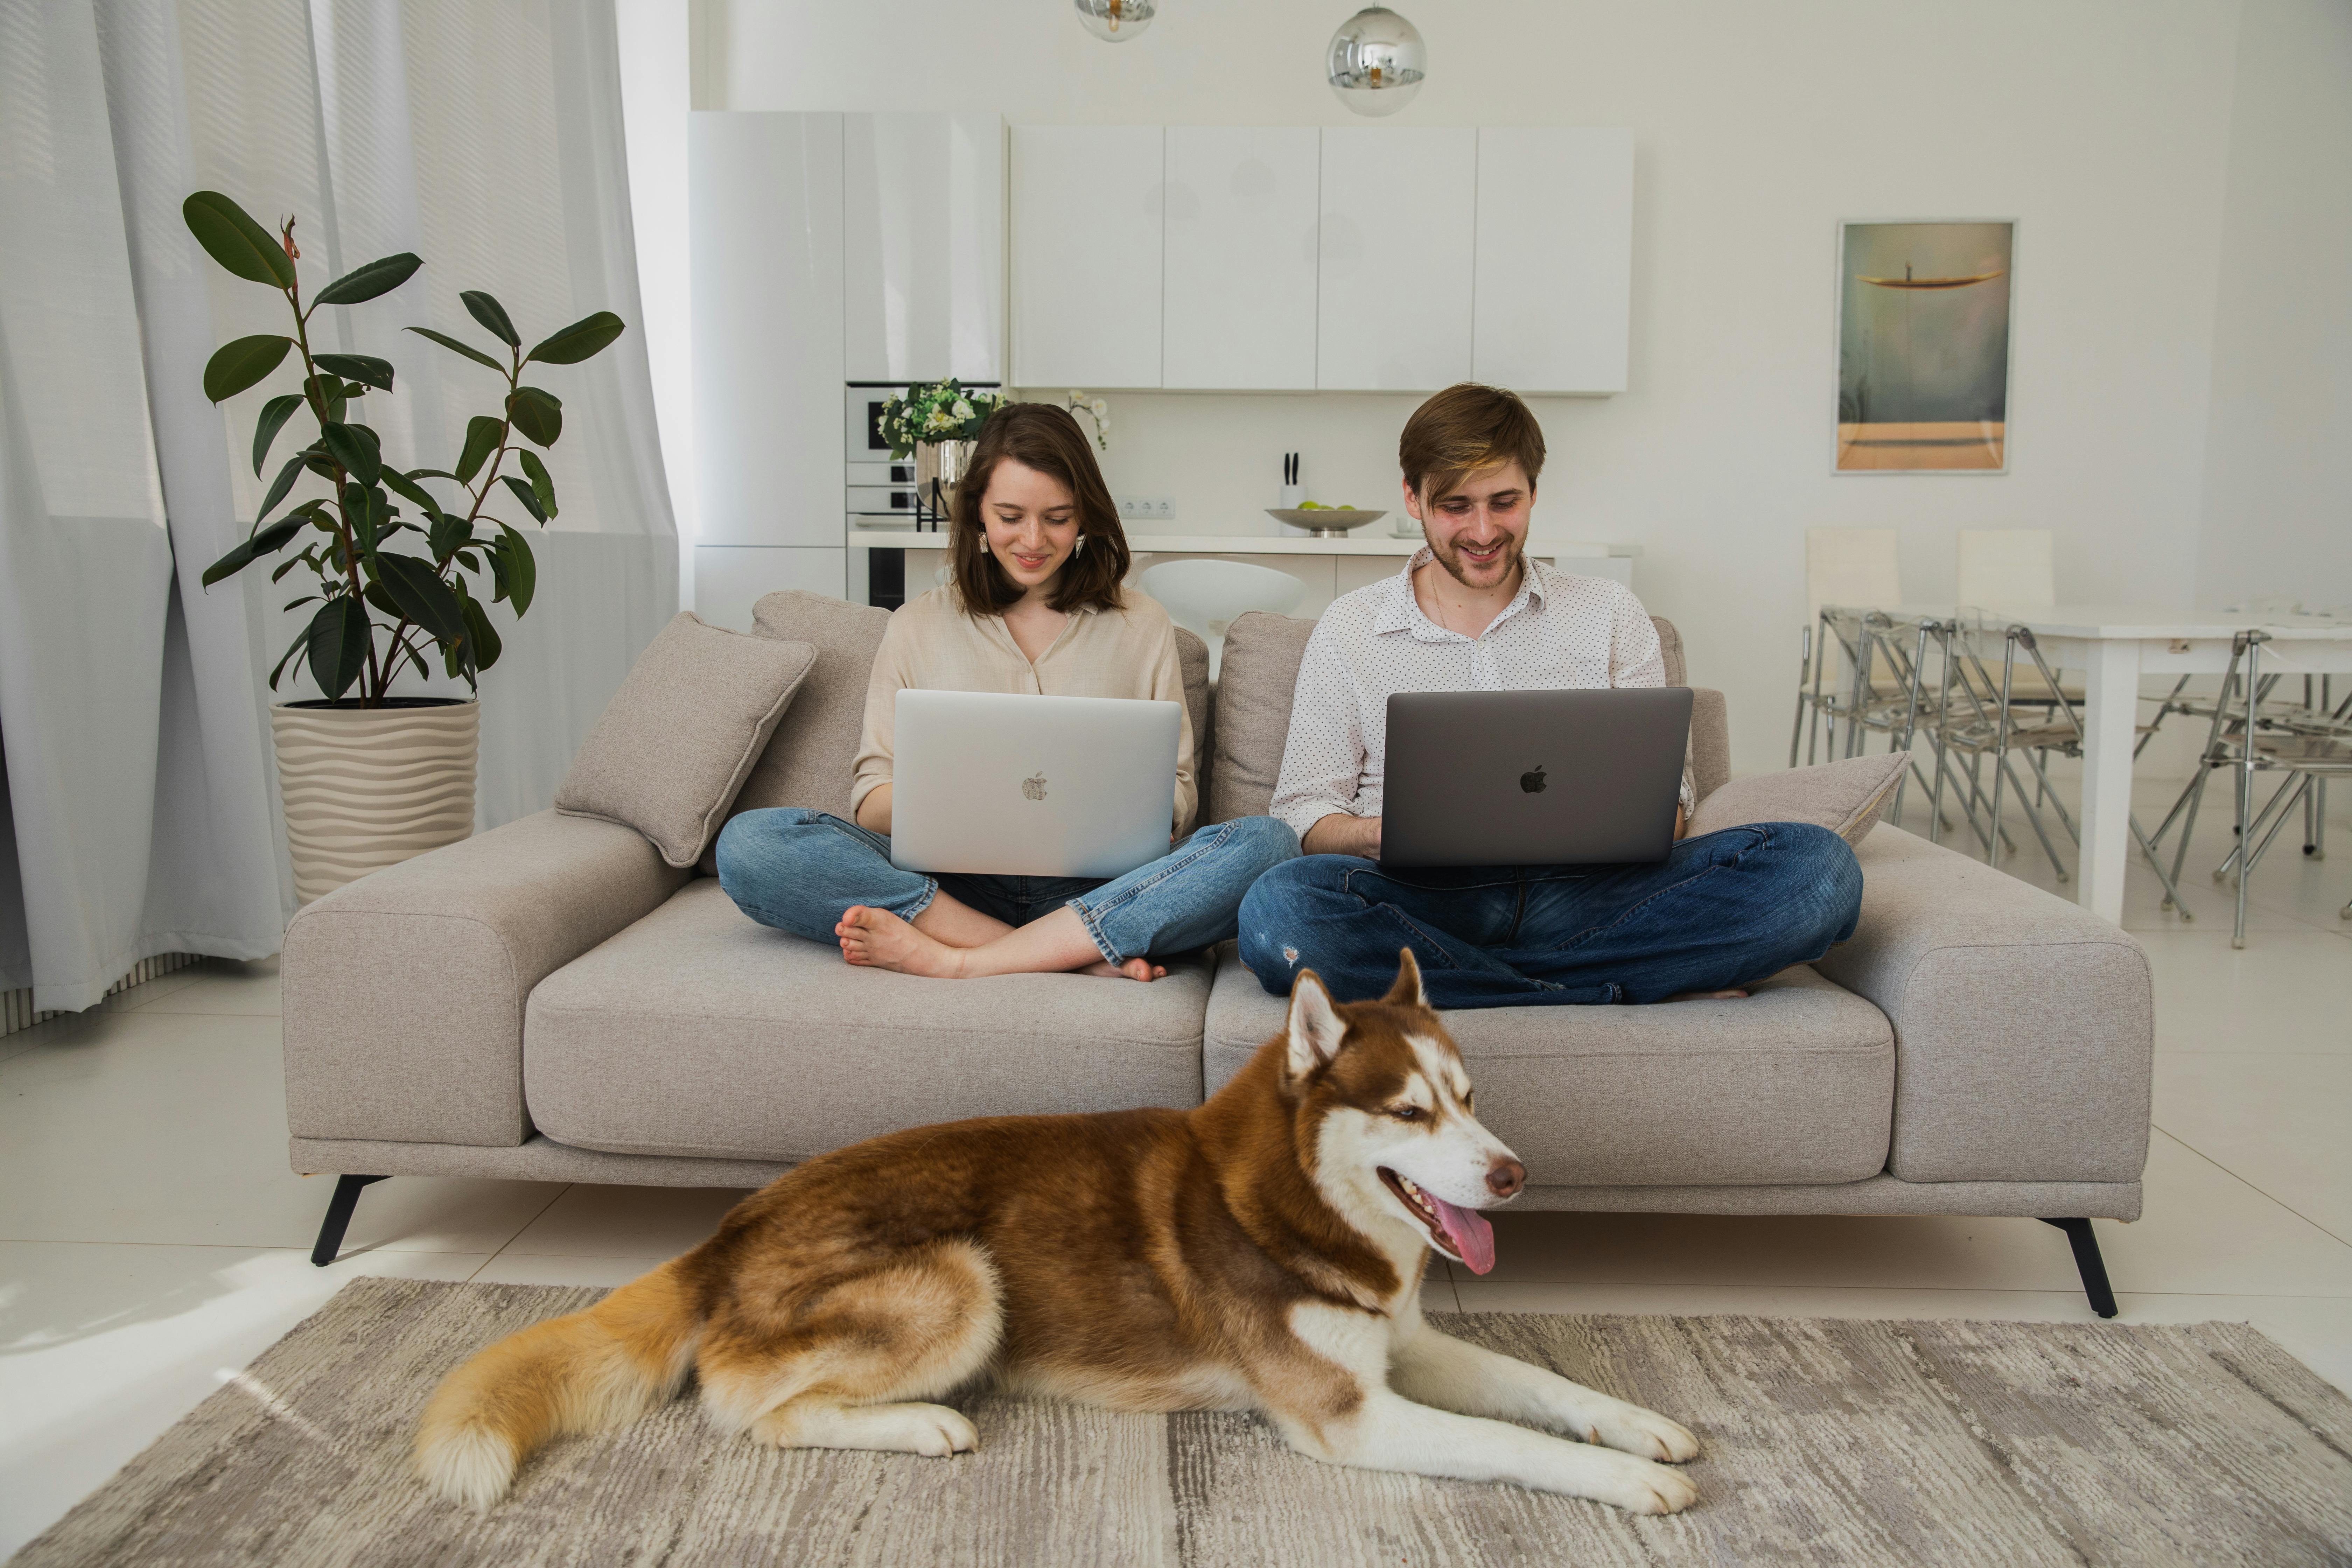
[(1471, 613)]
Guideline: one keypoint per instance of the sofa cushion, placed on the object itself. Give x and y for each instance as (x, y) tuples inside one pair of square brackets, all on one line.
[(699, 1032), (675, 744), (808, 762), (1260, 675), (1796, 1083), (1843, 796), (1193, 659)]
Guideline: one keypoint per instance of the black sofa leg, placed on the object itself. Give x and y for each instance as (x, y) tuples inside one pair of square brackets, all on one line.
[(347, 1198), (2088, 1262)]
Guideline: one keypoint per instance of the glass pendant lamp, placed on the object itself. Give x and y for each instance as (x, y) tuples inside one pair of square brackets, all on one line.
[(1116, 21), (1376, 61)]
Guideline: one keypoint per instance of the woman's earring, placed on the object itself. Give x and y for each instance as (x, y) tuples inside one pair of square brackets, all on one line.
[(1080, 548), (983, 544)]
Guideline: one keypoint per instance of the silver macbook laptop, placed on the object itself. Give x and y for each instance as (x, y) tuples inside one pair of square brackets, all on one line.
[(1031, 787), (1533, 778)]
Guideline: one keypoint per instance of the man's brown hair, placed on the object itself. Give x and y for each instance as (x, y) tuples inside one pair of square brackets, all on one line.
[(1462, 430), (1041, 436)]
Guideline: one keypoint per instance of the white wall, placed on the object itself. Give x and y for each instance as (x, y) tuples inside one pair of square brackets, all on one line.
[(2102, 126), (2278, 516)]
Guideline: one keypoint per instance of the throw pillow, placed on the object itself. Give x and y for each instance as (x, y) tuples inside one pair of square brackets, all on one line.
[(1844, 797), (1256, 679), (678, 738)]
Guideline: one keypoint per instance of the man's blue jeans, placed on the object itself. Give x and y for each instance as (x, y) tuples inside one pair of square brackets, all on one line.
[(801, 870), (1722, 911)]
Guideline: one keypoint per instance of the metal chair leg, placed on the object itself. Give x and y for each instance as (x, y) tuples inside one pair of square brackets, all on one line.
[(339, 1217), (2089, 1264)]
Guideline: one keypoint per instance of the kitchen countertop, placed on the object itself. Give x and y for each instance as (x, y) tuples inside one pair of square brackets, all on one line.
[(1362, 543)]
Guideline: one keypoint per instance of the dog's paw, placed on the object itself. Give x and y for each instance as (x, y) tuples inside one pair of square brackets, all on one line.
[(938, 1432), (1637, 1485), (1631, 1429)]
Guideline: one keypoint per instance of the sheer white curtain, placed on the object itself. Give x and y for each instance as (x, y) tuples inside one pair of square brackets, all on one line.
[(488, 139)]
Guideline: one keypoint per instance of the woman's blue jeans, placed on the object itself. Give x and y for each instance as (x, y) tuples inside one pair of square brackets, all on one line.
[(1721, 911), (801, 870)]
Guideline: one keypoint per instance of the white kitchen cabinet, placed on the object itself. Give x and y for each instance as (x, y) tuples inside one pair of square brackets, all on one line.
[(923, 246), (1555, 258), (1240, 249), (1393, 305), (763, 207), (1087, 235)]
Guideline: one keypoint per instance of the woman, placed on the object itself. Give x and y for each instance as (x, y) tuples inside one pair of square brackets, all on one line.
[(1035, 606)]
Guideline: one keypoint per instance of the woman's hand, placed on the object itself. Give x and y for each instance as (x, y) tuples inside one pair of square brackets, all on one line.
[(874, 811)]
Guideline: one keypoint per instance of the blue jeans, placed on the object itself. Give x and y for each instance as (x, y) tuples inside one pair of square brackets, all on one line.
[(801, 870), (1720, 911)]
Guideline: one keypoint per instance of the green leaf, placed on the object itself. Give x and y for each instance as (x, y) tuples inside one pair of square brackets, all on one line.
[(365, 368), (357, 455), (380, 276), (385, 602), (422, 596), (524, 493), (301, 640), (327, 390), (481, 637), (582, 339), (517, 572), (491, 314), (450, 535), (401, 485), (282, 483), (232, 239), (267, 542), (483, 434), (435, 473), (470, 352), (237, 365), (536, 413), (542, 483), (339, 644), (274, 415)]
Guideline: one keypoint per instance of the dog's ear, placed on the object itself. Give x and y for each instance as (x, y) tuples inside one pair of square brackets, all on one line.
[(1316, 1026), (1407, 990)]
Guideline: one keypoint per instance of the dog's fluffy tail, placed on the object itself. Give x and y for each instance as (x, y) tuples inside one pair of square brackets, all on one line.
[(589, 1371)]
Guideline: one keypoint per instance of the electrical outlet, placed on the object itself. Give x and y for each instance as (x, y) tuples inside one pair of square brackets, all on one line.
[(1147, 508)]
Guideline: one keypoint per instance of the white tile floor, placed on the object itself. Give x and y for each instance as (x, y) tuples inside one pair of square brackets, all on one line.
[(152, 1239)]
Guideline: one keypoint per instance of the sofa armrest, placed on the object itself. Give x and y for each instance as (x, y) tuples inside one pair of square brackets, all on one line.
[(2024, 1024), (404, 990)]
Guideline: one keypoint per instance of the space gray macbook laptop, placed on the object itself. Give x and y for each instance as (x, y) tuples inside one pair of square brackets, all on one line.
[(1031, 787), (1533, 778)]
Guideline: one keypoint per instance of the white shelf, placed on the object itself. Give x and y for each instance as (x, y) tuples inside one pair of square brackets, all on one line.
[(1264, 544)]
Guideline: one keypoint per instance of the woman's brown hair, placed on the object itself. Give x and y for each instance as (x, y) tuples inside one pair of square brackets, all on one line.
[(1041, 437)]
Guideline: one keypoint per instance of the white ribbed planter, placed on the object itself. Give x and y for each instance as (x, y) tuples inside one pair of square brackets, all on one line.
[(367, 787)]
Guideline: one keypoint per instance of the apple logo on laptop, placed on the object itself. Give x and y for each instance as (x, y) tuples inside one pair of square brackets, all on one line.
[(1533, 782), (1034, 787)]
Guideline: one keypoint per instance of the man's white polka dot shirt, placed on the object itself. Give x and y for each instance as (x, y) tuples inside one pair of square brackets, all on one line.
[(1559, 632)]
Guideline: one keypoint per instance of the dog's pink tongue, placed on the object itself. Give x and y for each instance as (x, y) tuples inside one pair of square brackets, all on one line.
[(1472, 1237)]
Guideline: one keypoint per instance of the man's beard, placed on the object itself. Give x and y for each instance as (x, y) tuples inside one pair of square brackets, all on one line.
[(1506, 564)]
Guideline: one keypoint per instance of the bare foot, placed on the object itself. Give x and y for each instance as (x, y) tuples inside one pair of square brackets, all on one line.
[(1708, 996), (876, 939), (1133, 969)]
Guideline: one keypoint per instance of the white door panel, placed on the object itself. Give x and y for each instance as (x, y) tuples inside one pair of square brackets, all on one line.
[(1555, 258), (1240, 249), (1394, 307), (1087, 231)]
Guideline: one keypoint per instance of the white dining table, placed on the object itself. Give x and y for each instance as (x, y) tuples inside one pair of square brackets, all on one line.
[(2114, 646)]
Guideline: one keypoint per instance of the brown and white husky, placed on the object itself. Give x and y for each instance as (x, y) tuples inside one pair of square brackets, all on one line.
[(1263, 1252)]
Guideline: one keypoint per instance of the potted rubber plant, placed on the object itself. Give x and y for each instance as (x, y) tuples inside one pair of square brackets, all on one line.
[(404, 563)]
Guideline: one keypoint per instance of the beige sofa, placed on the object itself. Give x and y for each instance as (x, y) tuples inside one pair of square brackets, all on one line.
[(550, 1001)]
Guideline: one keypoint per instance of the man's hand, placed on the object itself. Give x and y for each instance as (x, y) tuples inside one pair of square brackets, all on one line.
[(1341, 834), (1682, 823)]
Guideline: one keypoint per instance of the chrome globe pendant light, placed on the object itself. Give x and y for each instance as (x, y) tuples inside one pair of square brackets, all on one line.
[(1116, 21), (1376, 61)]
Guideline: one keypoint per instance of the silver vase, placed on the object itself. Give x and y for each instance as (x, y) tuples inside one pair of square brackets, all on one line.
[(940, 468)]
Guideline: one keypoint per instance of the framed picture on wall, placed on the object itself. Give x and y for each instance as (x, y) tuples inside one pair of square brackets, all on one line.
[(1923, 347)]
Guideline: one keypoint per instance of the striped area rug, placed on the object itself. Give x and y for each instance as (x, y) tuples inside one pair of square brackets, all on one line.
[(1827, 1441)]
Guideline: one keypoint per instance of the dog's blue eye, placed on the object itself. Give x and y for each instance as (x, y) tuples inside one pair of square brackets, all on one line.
[(1406, 1112)]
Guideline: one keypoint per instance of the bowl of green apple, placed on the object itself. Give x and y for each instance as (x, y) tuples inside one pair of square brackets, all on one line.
[(1324, 522)]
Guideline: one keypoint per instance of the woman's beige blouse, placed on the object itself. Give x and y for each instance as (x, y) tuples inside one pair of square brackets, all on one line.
[(933, 646)]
